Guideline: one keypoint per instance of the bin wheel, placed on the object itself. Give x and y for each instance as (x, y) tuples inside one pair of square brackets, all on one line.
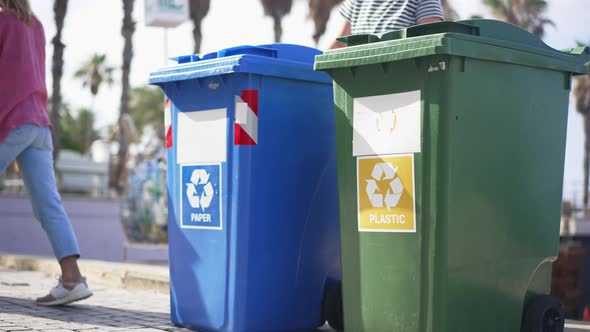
[(332, 306), (544, 314)]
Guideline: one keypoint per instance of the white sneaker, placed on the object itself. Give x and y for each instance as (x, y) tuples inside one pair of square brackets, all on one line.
[(64, 293)]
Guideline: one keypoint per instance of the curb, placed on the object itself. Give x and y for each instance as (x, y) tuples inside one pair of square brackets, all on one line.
[(109, 274)]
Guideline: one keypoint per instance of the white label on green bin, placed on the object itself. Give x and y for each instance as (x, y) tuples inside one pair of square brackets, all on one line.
[(387, 124), (200, 197)]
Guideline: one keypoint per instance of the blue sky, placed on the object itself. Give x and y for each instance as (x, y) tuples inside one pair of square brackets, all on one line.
[(94, 27)]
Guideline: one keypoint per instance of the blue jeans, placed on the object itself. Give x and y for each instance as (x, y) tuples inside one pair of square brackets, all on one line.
[(32, 148)]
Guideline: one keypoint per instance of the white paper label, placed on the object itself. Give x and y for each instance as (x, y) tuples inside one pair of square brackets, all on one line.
[(202, 137), (387, 124)]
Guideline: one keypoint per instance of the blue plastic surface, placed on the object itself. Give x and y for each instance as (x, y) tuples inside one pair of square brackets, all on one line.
[(267, 268), (278, 60)]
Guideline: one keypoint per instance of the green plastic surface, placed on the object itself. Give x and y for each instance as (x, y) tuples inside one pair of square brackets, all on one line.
[(481, 39), (488, 179)]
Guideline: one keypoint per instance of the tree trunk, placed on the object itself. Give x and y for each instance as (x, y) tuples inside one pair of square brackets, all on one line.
[(60, 8), (127, 32), (198, 10), (586, 157), (89, 127), (319, 12), (87, 138), (277, 27), (197, 37), (277, 9), (450, 13)]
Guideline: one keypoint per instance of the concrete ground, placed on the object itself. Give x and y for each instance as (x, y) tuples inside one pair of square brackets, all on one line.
[(137, 307), (110, 309), (577, 327), (127, 297)]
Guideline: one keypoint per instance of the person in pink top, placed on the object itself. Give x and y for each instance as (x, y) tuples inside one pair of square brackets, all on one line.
[(25, 136)]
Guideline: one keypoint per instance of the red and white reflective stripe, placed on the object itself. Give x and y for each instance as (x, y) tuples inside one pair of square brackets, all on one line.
[(168, 123), (246, 125)]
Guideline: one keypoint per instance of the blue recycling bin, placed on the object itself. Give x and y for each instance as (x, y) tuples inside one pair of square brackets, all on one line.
[(253, 215)]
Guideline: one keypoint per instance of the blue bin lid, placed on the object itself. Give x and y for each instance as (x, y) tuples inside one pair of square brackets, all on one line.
[(279, 60)]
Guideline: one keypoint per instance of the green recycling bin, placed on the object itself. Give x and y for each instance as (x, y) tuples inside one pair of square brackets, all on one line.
[(450, 151)]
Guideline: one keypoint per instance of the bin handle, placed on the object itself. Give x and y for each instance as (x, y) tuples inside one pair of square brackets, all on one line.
[(431, 29), (360, 39), (583, 53), (251, 50), (582, 50), (186, 58), (239, 50), (441, 27), (415, 31)]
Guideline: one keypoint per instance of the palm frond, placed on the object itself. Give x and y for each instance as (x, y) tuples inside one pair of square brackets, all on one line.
[(95, 72), (528, 14)]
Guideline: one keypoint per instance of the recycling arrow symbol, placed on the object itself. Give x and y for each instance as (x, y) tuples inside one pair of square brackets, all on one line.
[(395, 188), (200, 177)]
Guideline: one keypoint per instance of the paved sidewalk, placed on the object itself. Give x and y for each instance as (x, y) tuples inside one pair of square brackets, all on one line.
[(109, 309), (577, 327), (113, 275)]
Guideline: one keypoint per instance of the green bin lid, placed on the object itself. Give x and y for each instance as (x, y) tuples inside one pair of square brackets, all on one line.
[(479, 38)]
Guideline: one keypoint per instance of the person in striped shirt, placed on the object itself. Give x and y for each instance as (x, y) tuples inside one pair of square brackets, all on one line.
[(378, 16)]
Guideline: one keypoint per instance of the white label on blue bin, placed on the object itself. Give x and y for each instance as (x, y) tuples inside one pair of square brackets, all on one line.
[(387, 124), (202, 136), (200, 197)]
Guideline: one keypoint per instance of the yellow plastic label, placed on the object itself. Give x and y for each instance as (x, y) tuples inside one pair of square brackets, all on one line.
[(385, 187)]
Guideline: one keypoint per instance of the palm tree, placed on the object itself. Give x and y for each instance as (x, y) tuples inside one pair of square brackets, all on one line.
[(582, 98), (146, 107), (78, 131), (198, 11), (60, 7), (85, 121), (116, 180), (93, 74), (450, 13), (527, 14), (319, 12), (277, 9)]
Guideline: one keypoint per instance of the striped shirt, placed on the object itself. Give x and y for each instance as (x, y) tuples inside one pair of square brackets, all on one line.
[(378, 16)]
